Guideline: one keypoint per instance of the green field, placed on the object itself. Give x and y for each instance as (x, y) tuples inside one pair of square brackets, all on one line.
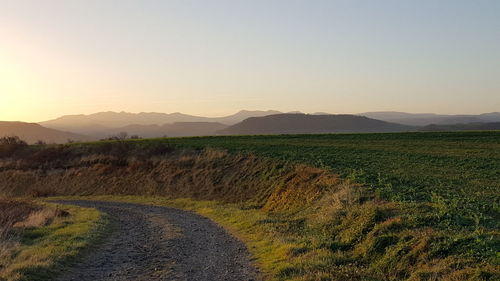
[(460, 168)]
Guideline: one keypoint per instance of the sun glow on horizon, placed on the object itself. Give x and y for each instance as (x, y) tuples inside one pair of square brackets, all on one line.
[(218, 57)]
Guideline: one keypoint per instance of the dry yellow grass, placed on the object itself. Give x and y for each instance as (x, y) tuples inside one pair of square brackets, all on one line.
[(37, 237), (41, 217)]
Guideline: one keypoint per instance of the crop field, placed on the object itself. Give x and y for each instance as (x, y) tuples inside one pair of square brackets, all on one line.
[(458, 169)]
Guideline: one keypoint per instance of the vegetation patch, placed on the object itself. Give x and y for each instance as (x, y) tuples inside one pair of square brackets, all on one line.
[(39, 239), (409, 206)]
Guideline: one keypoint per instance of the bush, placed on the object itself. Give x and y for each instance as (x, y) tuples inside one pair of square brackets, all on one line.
[(10, 145), (49, 157)]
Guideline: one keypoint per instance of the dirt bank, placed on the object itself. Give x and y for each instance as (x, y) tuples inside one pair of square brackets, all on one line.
[(200, 175)]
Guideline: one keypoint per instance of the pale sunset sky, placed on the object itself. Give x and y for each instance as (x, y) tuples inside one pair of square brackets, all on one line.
[(215, 57)]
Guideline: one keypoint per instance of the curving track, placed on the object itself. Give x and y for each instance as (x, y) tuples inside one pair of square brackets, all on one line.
[(159, 243)]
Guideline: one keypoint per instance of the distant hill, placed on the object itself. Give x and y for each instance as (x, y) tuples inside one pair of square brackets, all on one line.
[(462, 127), (187, 129), (177, 129), (312, 124), (32, 132), (242, 115), (423, 119), (101, 123)]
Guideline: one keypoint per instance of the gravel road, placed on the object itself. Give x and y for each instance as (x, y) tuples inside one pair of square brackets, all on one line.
[(159, 243)]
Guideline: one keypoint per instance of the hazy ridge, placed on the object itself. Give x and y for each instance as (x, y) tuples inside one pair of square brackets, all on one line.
[(151, 125), (312, 124), (424, 119), (32, 132)]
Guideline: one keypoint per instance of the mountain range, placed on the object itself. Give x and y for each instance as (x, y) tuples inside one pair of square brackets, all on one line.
[(102, 123), (149, 125), (32, 132)]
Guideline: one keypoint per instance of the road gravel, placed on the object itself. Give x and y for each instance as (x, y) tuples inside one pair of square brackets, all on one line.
[(159, 243)]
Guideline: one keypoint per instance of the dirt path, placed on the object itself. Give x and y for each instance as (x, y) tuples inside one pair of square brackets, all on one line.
[(159, 243)]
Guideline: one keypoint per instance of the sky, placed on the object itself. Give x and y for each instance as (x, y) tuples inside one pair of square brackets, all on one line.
[(216, 57)]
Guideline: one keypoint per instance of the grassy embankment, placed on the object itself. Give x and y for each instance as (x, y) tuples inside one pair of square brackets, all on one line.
[(37, 240), (418, 206)]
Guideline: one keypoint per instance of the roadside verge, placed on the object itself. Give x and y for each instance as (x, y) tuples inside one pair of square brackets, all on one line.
[(40, 252)]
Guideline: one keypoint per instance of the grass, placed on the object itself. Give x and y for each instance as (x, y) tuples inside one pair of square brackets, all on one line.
[(12, 212), (39, 248), (458, 170), (407, 206)]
